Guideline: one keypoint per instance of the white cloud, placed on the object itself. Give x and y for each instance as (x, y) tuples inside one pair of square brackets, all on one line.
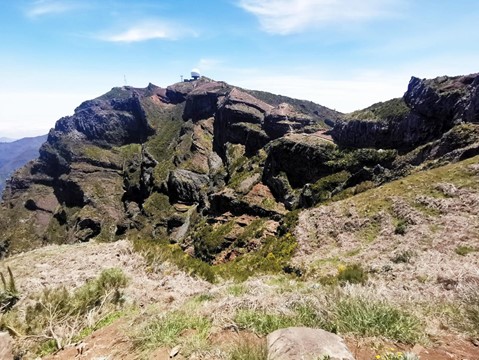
[(206, 64), (291, 16), (48, 7), (149, 30), (342, 95)]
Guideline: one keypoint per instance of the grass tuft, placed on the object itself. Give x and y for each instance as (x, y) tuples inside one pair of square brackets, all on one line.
[(464, 250), (339, 314), (248, 351), (166, 330)]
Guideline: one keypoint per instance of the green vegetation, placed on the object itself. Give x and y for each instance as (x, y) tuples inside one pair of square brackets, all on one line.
[(354, 159), (470, 303), (262, 322), (158, 206), (388, 110), (343, 314), (325, 187), (463, 250), (167, 123), (272, 256), (248, 350), (8, 294), (236, 289), (209, 240), (159, 251), (166, 330), (376, 318), (59, 316), (352, 274), (401, 227), (364, 186), (380, 199)]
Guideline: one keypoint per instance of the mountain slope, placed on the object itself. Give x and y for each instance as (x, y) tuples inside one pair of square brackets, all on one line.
[(15, 154), (214, 169), (366, 222)]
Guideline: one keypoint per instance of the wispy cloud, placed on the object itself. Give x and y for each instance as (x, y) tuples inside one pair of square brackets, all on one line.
[(205, 64), (39, 8), (148, 30), (292, 16)]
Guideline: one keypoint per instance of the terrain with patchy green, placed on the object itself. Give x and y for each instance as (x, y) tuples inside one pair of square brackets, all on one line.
[(216, 208)]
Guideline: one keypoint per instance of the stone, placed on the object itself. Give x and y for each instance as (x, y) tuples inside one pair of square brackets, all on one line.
[(306, 344), (6, 346), (175, 351), (187, 186)]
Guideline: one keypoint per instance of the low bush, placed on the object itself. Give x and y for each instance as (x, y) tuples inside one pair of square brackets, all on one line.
[(400, 228), (353, 274)]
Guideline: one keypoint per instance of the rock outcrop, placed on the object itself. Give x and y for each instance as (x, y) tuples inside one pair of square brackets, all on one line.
[(428, 109), (133, 158), (306, 343), (167, 163)]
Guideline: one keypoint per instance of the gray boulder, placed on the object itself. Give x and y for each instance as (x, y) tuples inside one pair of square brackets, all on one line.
[(6, 346), (187, 187), (306, 344)]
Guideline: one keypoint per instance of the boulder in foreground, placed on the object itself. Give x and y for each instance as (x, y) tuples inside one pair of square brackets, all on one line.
[(306, 343)]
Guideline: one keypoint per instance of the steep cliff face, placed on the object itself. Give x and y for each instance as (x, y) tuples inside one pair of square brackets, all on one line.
[(428, 109), (150, 161), (214, 168)]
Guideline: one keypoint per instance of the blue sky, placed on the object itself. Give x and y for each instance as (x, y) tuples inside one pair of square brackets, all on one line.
[(344, 54)]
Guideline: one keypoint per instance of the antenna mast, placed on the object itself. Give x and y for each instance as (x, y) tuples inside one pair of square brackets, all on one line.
[(124, 80)]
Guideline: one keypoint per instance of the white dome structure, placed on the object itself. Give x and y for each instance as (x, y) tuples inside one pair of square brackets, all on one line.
[(195, 74)]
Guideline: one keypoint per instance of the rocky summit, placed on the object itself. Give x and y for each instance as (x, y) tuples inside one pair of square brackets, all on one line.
[(206, 158)]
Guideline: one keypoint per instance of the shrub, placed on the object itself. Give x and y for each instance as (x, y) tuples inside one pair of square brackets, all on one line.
[(353, 274), (401, 227)]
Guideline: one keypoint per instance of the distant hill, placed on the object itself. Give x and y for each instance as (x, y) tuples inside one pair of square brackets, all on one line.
[(6, 140), (15, 154)]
